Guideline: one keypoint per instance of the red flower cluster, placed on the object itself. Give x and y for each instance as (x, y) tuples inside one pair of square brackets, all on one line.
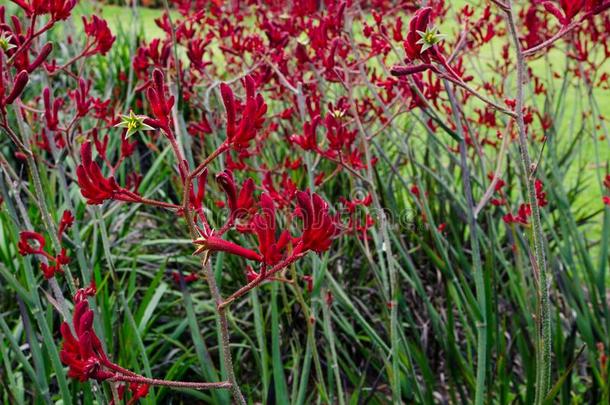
[(240, 204), (241, 131), (421, 44), (82, 351), (94, 186), (419, 23), (272, 248), (319, 226), (33, 243), (99, 37), (524, 212), (57, 9), (160, 105), (568, 9), (540, 194)]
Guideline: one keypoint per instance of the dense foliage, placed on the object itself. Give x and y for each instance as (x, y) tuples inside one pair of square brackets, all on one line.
[(338, 202)]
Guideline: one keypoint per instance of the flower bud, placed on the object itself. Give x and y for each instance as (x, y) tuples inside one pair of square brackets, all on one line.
[(44, 53), (20, 81)]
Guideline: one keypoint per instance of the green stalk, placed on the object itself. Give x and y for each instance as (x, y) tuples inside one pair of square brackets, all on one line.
[(543, 344)]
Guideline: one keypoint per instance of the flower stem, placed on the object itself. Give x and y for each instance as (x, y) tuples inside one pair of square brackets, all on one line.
[(543, 340), (224, 332), (173, 384)]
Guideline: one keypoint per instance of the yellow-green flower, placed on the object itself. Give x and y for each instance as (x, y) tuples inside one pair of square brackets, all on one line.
[(5, 42), (429, 38), (134, 123)]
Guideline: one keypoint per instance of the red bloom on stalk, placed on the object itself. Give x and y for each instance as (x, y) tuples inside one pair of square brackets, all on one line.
[(568, 9), (58, 9), (421, 44), (21, 80), (308, 140), (160, 105), (67, 219), (137, 391), (24, 246), (540, 194), (524, 212), (99, 33), (83, 293), (241, 203), (83, 352), (81, 97), (51, 109), (53, 264), (42, 56), (271, 249), (93, 185), (215, 243), (189, 278), (319, 226), (412, 44), (241, 132)]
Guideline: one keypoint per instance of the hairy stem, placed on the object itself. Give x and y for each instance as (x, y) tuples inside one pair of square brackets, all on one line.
[(172, 384), (224, 332), (543, 343)]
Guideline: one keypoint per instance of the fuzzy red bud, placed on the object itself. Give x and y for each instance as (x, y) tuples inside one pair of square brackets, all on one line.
[(20, 81)]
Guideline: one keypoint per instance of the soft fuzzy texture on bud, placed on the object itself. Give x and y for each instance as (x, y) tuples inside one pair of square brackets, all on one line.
[(21, 80)]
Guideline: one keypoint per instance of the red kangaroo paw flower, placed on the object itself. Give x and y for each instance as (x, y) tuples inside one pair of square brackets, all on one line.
[(412, 69), (49, 271), (83, 293), (308, 140), (196, 200), (419, 22), (100, 35), (160, 105), (240, 133), (81, 97), (245, 200), (60, 9), (229, 101), (42, 56), (21, 80), (552, 8), (94, 186), (318, 226), (24, 243), (24, 5), (540, 194), (213, 243), (189, 278), (67, 219), (82, 352), (51, 109), (241, 203), (264, 225), (227, 183)]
